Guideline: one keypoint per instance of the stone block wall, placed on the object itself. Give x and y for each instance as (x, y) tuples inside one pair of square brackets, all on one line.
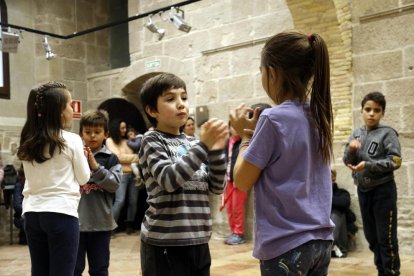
[(75, 59)]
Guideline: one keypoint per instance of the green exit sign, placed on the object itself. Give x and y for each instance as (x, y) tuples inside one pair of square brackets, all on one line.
[(152, 64)]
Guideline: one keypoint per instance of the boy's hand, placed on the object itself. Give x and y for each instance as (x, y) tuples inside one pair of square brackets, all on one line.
[(358, 167), (91, 159), (354, 145), (213, 134)]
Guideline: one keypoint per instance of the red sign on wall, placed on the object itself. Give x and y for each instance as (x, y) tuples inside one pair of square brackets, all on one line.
[(77, 109)]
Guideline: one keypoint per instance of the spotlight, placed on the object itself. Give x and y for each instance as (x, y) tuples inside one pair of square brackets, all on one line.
[(154, 29), (9, 41), (48, 51), (178, 20)]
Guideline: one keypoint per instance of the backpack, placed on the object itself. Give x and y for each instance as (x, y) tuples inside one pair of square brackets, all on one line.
[(10, 177)]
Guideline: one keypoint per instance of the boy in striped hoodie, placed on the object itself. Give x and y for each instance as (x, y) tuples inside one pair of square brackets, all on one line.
[(177, 225)]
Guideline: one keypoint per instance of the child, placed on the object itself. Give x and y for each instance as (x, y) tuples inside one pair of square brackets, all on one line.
[(17, 204), (97, 196), (177, 225), (287, 159), (134, 139), (55, 165), (235, 199), (373, 153)]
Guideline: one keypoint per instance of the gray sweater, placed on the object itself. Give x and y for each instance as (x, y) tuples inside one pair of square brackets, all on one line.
[(381, 151), (95, 206)]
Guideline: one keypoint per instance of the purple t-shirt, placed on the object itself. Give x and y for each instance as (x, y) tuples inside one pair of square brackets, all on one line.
[(293, 195)]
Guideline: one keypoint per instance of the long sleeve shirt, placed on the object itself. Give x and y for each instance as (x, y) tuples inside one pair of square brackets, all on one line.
[(178, 185), (381, 151), (53, 186), (95, 206)]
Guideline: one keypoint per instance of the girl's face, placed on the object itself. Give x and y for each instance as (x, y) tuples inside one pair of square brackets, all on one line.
[(67, 113), (189, 128), (122, 129)]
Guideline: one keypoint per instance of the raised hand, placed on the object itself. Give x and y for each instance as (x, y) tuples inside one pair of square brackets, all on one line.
[(91, 158), (214, 133), (240, 121), (354, 145)]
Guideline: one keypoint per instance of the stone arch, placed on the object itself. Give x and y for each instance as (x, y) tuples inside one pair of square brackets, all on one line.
[(332, 19)]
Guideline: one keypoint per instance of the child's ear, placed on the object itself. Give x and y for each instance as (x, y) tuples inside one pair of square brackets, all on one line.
[(106, 134), (151, 112)]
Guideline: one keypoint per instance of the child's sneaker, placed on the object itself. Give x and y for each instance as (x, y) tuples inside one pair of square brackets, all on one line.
[(235, 239)]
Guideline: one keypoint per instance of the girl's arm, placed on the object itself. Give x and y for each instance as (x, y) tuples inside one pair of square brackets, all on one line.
[(80, 163), (245, 174)]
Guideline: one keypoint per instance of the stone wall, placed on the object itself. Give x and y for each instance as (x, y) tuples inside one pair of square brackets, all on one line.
[(75, 59)]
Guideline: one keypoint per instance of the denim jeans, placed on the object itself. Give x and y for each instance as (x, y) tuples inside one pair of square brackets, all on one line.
[(311, 258), (127, 186), (94, 245), (379, 218), (53, 240)]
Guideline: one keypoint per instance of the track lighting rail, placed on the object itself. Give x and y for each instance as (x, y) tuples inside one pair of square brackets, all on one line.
[(101, 27)]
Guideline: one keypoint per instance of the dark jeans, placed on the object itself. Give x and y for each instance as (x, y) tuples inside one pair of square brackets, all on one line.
[(194, 260), (311, 258), (53, 240), (94, 245), (379, 218), (340, 231)]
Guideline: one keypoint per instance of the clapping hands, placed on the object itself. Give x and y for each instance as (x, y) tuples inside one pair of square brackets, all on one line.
[(214, 133)]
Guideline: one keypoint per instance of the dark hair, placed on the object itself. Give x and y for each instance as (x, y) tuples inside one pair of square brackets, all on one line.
[(154, 87), (44, 122), (376, 97), (114, 131), (94, 118), (183, 126), (297, 58), (261, 106)]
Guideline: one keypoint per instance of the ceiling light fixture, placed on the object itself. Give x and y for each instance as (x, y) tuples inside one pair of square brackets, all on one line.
[(9, 41), (154, 29), (178, 20), (48, 51)]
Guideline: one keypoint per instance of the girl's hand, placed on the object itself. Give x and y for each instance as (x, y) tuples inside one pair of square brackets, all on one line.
[(214, 133), (240, 121)]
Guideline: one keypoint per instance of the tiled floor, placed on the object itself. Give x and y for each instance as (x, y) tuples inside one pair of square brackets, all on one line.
[(226, 260)]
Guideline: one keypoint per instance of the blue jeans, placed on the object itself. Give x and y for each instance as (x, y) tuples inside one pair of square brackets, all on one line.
[(53, 240), (311, 258), (94, 245), (127, 185)]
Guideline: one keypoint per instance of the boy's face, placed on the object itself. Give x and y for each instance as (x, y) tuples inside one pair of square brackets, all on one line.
[(372, 114), (93, 136), (172, 111)]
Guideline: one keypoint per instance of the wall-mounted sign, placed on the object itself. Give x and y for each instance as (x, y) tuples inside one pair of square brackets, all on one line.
[(77, 109), (152, 64)]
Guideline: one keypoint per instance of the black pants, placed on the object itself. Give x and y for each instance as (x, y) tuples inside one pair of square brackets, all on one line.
[(379, 218), (194, 260), (340, 231)]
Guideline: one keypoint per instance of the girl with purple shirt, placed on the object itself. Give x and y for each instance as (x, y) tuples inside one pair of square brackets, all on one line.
[(285, 154)]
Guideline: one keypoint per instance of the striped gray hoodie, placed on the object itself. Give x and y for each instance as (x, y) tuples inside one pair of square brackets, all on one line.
[(178, 184)]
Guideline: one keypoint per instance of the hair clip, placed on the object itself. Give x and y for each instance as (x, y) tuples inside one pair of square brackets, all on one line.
[(311, 37)]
